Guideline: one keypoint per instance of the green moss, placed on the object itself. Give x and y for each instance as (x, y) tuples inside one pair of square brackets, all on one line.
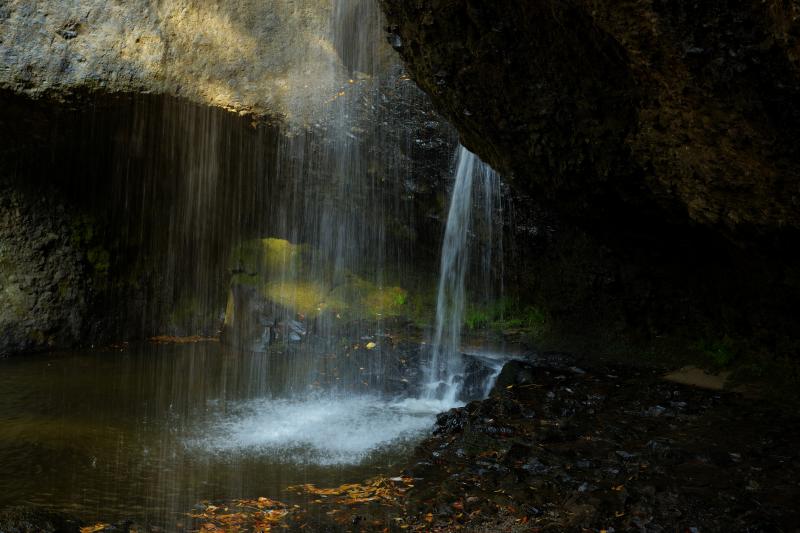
[(99, 259), (505, 314), (719, 352), (360, 297), (476, 319), (306, 297), (280, 271), (400, 297), (385, 301), (270, 257), (535, 318), (421, 306)]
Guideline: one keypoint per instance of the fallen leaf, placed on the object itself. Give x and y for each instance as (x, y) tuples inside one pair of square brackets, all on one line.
[(94, 528)]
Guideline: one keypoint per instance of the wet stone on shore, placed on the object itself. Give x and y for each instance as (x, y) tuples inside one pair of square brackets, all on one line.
[(614, 449)]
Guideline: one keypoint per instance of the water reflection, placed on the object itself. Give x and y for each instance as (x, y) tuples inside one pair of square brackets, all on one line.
[(148, 432)]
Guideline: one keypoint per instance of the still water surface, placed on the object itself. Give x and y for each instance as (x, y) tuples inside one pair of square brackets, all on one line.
[(148, 432)]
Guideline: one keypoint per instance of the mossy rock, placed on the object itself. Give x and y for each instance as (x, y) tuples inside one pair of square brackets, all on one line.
[(280, 272), (366, 299), (271, 257), (308, 298)]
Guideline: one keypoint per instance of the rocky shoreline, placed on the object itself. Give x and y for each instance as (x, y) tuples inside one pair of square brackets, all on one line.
[(612, 448)]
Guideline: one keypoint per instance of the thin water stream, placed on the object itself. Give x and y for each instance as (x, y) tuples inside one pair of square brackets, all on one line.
[(445, 374)]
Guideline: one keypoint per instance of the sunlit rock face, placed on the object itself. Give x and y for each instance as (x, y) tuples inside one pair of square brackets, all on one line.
[(266, 58)]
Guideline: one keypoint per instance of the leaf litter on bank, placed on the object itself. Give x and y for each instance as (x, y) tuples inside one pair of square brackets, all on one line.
[(387, 491), (259, 515)]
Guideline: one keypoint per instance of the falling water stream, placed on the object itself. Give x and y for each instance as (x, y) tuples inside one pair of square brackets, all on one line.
[(445, 374)]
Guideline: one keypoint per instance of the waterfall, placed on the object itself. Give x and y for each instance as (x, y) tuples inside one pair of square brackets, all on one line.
[(445, 373), (307, 237)]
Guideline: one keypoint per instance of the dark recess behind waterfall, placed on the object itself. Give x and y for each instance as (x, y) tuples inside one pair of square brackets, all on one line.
[(169, 186)]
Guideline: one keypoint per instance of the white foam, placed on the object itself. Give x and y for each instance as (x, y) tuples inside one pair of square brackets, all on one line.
[(326, 430)]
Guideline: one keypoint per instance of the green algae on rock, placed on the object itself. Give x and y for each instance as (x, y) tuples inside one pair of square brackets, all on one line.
[(276, 285)]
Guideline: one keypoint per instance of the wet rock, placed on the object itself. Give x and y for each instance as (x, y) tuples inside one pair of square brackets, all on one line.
[(477, 375), (451, 421), (515, 373), (47, 298), (34, 520), (606, 463)]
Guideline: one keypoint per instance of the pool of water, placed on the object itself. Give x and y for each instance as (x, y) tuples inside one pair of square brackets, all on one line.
[(149, 431)]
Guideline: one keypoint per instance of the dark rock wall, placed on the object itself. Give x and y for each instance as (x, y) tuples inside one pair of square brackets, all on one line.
[(661, 138), (45, 281), (690, 108)]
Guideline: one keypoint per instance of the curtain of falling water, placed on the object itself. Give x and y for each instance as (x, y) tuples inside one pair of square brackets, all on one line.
[(184, 184), (446, 370), (193, 185), (189, 182), (335, 177), (344, 180), (335, 187)]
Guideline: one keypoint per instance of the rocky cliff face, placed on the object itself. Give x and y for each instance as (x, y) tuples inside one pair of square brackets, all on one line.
[(661, 134), (685, 107), (45, 285), (251, 57)]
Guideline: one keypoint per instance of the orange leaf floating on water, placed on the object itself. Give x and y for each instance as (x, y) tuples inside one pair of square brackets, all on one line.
[(94, 528)]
